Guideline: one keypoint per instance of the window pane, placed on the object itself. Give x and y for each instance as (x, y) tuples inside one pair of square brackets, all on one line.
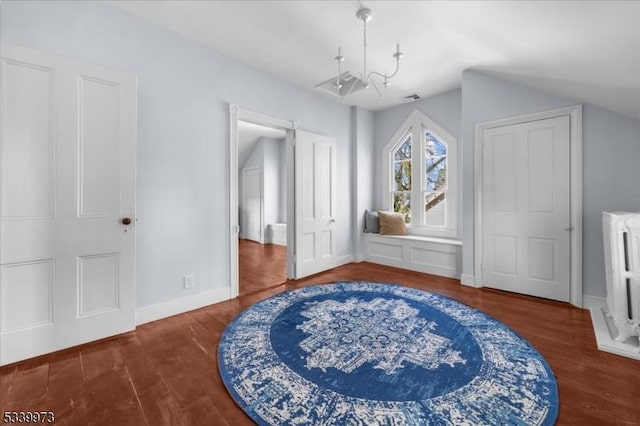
[(435, 164), (434, 146), (435, 209), (402, 204), (402, 175), (404, 151)]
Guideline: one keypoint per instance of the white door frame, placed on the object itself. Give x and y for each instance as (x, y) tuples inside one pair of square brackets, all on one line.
[(261, 212), (575, 112), (237, 113)]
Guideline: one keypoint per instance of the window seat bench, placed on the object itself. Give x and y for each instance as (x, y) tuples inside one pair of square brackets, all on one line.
[(437, 256)]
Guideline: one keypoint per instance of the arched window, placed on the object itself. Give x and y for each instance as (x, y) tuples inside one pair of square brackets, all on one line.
[(420, 176)]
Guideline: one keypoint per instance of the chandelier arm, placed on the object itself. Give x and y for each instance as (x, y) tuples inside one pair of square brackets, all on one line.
[(388, 77), (373, 83), (385, 76)]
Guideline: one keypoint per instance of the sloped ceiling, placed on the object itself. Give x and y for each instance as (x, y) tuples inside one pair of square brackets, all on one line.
[(248, 136), (588, 50)]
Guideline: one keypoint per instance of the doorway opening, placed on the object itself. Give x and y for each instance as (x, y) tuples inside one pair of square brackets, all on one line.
[(261, 243), (262, 213)]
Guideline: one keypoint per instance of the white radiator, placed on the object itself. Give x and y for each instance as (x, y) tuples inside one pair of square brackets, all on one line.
[(622, 270)]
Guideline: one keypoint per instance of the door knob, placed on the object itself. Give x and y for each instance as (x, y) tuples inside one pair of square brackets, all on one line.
[(126, 221)]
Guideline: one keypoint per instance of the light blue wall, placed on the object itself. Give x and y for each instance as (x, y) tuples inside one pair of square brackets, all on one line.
[(182, 169), (283, 182), (266, 155), (183, 92), (362, 171), (272, 189), (611, 154), (611, 162)]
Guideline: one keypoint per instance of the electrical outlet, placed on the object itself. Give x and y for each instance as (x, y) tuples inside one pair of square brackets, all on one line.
[(188, 281)]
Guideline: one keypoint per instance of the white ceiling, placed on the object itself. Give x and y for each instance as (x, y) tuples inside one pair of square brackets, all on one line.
[(588, 50), (248, 135)]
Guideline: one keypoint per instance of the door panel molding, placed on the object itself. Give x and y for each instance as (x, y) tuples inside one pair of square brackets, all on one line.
[(316, 209), (67, 275), (575, 170)]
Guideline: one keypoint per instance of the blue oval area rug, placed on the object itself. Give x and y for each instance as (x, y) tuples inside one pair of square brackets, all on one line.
[(357, 353)]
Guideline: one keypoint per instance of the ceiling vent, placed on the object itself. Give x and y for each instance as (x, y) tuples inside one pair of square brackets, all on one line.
[(413, 97)]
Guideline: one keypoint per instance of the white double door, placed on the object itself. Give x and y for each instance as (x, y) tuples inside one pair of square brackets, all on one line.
[(67, 148), (526, 226)]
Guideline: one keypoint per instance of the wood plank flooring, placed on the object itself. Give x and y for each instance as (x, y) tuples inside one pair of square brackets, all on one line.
[(165, 373), (260, 265)]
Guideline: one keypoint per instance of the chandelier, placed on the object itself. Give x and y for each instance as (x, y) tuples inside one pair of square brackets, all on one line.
[(345, 83)]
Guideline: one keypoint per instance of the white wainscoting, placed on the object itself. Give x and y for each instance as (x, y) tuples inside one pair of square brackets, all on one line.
[(437, 256), (277, 234)]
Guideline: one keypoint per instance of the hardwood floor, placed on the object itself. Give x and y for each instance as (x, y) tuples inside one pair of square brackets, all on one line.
[(165, 373), (260, 265)]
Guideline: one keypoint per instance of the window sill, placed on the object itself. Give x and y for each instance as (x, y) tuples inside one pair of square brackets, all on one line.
[(424, 238), (432, 232)]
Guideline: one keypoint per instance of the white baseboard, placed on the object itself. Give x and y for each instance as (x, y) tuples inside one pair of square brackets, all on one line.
[(182, 304), (358, 258), (589, 302), (468, 280), (343, 260), (279, 242), (604, 328)]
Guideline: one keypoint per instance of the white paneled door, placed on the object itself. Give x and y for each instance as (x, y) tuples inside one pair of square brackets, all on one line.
[(526, 208), (67, 177), (251, 205), (316, 209)]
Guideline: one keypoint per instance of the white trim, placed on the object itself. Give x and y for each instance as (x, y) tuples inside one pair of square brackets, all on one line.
[(234, 226), (359, 257), (468, 280), (431, 255), (237, 113), (589, 302), (275, 234), (418, 238), (344, 260), (415, 124), (575, 113), (180, 305), (603, 328)]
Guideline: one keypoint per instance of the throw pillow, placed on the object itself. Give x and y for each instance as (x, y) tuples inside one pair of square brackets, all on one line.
[(392, 223), (371, 222)]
